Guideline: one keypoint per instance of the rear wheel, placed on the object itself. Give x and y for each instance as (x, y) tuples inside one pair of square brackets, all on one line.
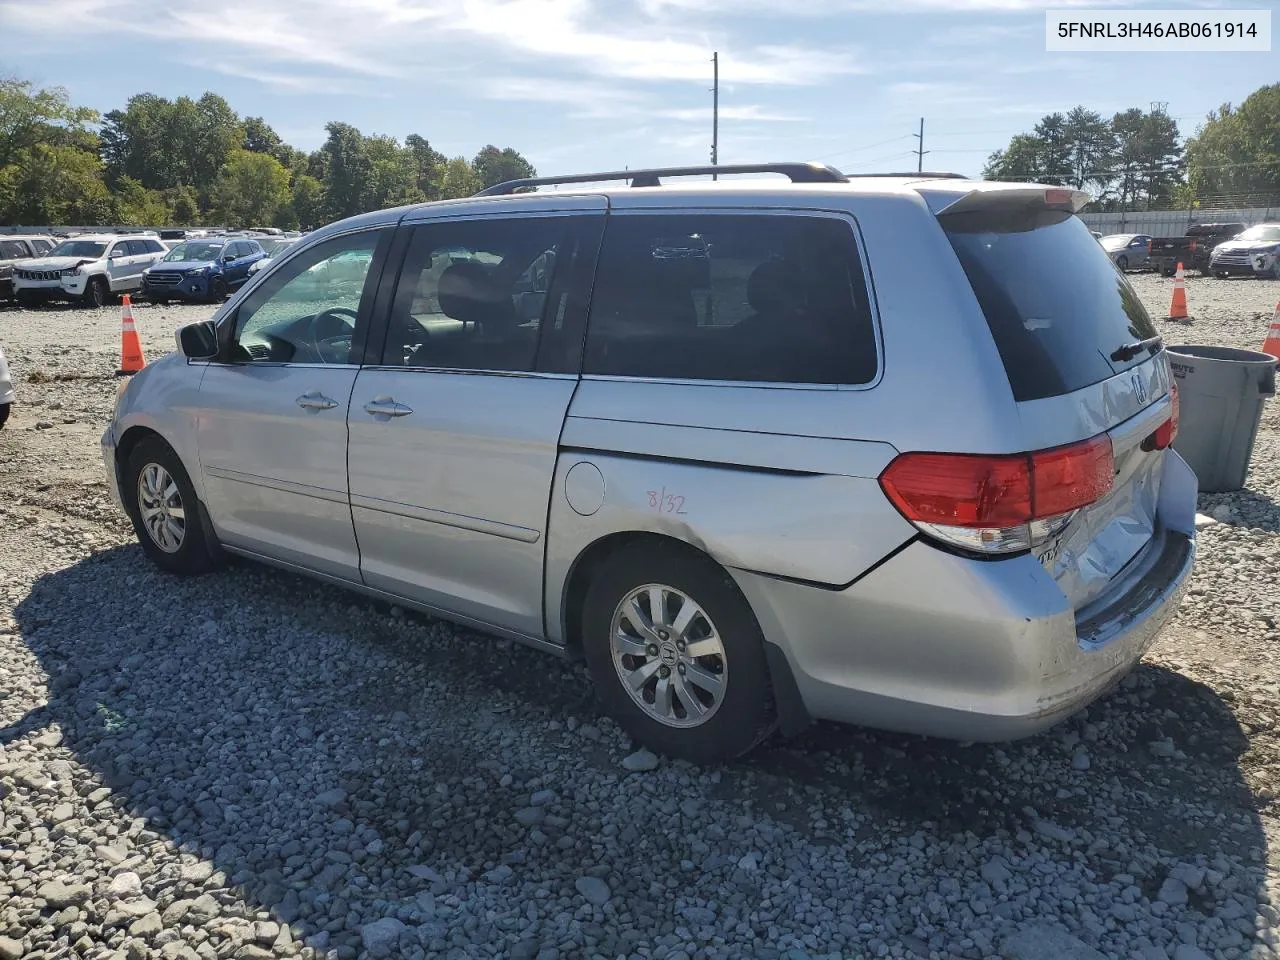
[(164, 510), (1122, 262), (676, 655), (96, 293)]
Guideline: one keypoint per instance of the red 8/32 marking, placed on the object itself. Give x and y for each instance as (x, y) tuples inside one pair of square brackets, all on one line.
[(663, 502)]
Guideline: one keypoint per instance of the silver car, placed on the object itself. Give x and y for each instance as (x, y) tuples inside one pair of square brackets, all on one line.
[(1128, 250), (883, 450)]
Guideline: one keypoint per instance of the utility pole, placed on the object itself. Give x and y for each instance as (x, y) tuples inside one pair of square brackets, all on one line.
[(715, 111), (920, 151)]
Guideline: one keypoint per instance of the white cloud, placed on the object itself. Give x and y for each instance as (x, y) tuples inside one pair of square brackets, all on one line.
[(402, 38)]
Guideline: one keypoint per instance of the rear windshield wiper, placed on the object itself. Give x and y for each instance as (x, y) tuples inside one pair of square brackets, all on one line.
[(1131, 350)]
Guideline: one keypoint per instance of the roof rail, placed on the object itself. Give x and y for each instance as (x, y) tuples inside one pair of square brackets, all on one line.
[(798, 172)]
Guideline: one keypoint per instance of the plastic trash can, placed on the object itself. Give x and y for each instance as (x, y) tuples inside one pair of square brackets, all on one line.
[(1221, 391)]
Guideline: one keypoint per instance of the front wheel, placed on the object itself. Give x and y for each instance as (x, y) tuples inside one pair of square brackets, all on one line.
[(676, 655), (1122, 262), (217, 290), (5, 410), (162, 505), (96, 293)]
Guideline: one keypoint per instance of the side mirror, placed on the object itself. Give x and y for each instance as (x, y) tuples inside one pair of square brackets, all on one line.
[(198, 341)]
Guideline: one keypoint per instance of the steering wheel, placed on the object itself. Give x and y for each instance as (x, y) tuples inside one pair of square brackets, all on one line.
[(331, 334)]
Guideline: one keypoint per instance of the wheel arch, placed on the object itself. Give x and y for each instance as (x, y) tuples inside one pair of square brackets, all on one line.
[(793, 716), (129, 441)]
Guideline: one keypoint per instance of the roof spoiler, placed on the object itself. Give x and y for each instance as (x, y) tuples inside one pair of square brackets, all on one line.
[(1000, 197)]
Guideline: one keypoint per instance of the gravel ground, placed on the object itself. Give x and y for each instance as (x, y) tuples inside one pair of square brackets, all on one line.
[(252, 765)]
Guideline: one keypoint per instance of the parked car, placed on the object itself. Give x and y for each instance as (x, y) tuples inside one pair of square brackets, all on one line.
[(14, 248), (1254, 253), (1192, 250), (7, 396), (273, 247), (89, 268), (1127, 250), (201, 270), (748, 504)]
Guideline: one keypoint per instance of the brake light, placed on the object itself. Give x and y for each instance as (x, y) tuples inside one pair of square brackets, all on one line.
[(1057, 198), (1149, 244), (989, 503), (1167, 432), (1193, 246)]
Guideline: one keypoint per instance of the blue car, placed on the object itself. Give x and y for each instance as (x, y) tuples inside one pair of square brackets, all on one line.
[(205, 269)]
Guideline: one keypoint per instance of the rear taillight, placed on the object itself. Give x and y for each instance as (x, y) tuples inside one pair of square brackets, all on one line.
[(1167, 432), (1193, 246), (998, 504), (1149, 243)]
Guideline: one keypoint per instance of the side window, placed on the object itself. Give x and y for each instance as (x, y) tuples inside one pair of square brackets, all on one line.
[(152, 246), (475, 295), (12, 250), (41, 246), (138, 248), (760, 298), (306, 313)]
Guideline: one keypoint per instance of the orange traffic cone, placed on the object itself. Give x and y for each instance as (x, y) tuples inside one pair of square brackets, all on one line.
[(1271, 345), (1178, 308), (131, 360)]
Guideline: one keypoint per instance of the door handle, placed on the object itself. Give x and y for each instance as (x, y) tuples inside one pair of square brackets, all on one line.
[(316, 401), (384, 408)]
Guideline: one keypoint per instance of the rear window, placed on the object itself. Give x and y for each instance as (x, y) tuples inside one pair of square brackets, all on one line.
[(731, 297), (1056, 305)]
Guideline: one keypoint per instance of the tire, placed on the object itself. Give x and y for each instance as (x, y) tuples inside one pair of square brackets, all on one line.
[(217, 290), (1222, 275), (152, 467), (734, 721), (1122, 262), (29, 301), (5, 410), (97, 293)]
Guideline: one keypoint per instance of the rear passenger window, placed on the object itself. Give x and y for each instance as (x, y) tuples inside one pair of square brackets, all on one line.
[(473, 295), (41, 246), (758, 298), (12, 250)]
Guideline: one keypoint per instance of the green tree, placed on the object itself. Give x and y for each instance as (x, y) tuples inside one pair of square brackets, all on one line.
[(165, 144), (1148, 159), (428, 165), (459, 179), (140, 207), (251, 189), (1235, 154), (393, 175), (31, 116), (306, 204), (494, 166), (53, 185), (1091, 148), (185, 204)]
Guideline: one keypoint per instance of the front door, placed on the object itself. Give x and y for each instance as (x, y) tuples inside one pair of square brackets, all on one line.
[(119, 265), (453, 437), (272, 431)]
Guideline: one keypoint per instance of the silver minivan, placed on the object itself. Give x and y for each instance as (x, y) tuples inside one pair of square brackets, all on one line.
[(888, 450)]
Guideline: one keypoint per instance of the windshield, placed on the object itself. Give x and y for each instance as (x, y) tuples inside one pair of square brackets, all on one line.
[(199, 251), (272, 247), (78, 248), (1263, 232), (1056, 305)]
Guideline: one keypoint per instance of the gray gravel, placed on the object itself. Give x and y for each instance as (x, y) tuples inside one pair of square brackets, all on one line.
[(253, 765)]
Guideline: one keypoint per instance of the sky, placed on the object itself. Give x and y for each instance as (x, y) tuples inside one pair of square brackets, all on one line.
[(580, 85)]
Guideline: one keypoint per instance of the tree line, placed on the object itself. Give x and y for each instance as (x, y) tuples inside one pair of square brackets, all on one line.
[(1135, 161), (188, 161)]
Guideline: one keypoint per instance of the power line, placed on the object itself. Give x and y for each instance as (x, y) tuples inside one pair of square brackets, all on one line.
[(867, 146)]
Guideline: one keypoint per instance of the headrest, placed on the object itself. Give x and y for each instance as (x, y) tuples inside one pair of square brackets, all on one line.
[(467, 292), (775, 287)]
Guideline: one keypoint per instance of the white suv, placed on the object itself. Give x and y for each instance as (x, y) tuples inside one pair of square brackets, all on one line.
[(88, 268)]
